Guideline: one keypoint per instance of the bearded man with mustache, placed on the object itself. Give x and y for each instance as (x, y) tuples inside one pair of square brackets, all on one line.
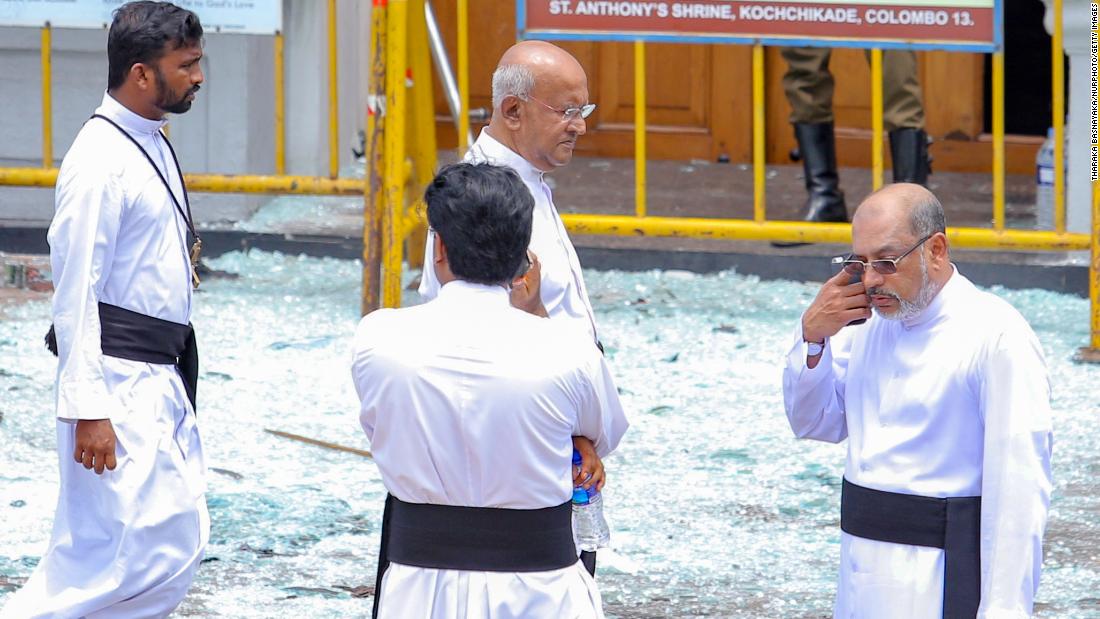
[(131, 524), (944, 398)]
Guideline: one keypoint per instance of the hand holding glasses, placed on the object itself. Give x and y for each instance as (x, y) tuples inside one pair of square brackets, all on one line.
[(883, 266), (855, 276)]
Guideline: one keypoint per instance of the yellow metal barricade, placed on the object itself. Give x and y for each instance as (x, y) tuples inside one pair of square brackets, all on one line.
[(409, 149)]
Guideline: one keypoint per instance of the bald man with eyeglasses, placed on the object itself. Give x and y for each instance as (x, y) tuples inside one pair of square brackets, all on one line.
[(540, 103), (944, 398)]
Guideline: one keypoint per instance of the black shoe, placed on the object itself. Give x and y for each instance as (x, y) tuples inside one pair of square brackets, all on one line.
[(909, 149), (825, 202)]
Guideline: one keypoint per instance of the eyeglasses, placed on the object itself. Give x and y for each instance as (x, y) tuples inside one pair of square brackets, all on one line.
[(883, 266), (569, 113)]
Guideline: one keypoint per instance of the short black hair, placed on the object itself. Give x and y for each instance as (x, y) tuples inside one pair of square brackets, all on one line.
[(143, 31), (483, 214)]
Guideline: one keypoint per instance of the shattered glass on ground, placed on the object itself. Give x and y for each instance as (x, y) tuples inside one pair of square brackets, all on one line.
[(716, 510)]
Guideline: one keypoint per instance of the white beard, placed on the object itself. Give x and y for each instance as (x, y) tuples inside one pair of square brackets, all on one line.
[(910, 309)]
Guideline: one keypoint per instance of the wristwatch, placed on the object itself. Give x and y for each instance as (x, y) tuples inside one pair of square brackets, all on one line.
[(814, 349)]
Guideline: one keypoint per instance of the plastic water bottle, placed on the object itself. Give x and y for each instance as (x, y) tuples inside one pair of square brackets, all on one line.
[(1044, 184), (589, 526)]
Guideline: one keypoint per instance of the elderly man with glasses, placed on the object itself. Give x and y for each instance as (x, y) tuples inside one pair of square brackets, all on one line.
[(944, 398), (540, 103)]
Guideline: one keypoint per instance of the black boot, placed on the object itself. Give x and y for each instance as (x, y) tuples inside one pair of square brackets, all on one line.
[(817, 148), (909, 149)]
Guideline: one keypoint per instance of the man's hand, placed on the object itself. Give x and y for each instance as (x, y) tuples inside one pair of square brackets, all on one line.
[(95, 444), (837, 304), (591, 470), (525, 290)]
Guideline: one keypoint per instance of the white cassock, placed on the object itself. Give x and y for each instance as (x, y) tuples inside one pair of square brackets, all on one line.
[(562, 286), (468, 401), (953, 403), (125, 543)]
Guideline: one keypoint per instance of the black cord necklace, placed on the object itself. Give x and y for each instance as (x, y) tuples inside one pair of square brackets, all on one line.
[(196, 247)]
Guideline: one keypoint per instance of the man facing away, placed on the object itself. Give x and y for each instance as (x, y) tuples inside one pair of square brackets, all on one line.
[(944, 398), (131, 521), (470, 405)]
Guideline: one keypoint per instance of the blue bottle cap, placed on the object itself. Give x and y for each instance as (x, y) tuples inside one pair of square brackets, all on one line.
[(577, 458), (580, 496)]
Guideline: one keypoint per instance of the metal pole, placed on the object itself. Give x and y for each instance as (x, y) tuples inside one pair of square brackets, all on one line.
[(47, 97), (463, 75), (280, 107), (758, 166), (615, 225), (422, 147), (374, 197), (639, 129), (806, 232), (333, 94), (395, 175), (876, 119), (443, 68), (1058, 104), (998, 97)]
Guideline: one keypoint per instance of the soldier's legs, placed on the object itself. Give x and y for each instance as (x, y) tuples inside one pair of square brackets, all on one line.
[(808, 84), (903, 117), (809, 88)]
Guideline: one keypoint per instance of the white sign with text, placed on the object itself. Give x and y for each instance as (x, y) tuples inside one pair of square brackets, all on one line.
[(228, 16)]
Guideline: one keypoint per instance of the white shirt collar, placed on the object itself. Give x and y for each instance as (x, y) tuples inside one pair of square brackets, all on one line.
[(487, 148), (127, 118), (460, 289), (936, 307)]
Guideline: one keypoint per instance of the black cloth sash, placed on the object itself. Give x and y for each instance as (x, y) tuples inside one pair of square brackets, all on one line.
[(953, 524), (127, 334), (483, 539)]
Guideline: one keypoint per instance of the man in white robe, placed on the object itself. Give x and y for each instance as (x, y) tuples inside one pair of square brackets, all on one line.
[(944, 398), (540, 103), (131, 521), (470, 403)]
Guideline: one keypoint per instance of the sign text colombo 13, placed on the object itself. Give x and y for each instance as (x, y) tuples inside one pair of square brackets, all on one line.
[(960, 25)]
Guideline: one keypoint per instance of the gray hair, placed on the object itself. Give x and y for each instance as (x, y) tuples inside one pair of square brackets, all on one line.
[(516, 80), (927, 217)]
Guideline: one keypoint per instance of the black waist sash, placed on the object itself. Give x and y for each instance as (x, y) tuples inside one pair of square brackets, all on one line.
[(131, 335), (482, 539), (953, 524)]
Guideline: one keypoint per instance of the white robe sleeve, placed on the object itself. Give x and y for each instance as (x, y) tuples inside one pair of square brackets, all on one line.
[(600, 416), (1016, 479), (429, 284), (814, 398), (82, 241), (365, 373)]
